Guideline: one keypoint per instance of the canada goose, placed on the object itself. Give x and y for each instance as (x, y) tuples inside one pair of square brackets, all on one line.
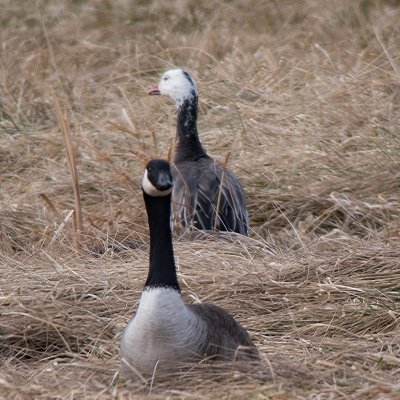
[(201, 185), (165, 331)]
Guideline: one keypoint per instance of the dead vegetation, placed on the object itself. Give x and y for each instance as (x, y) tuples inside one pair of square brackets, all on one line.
[(304, 96)]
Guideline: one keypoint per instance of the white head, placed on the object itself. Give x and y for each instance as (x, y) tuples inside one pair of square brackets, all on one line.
[(177, 84), (157, 179)]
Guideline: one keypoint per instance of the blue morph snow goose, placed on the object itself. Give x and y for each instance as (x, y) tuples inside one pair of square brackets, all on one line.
[(201, 187), (165, 331)]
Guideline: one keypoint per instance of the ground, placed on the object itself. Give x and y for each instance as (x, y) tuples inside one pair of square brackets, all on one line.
[(303, 95)]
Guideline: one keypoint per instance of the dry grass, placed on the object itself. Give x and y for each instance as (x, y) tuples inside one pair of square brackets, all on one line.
[(305, 98)]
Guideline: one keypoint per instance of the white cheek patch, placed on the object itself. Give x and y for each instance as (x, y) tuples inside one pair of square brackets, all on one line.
[(151, 190)]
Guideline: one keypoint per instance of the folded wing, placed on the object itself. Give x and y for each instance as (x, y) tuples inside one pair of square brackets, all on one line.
[(207, 196)]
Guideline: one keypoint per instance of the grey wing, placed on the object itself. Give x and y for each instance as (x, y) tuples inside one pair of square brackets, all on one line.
[(198, 194), (233, 214), (225, 338), (221, 201), (185, 197)]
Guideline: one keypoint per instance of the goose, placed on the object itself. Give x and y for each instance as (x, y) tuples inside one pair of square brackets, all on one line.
[(165, 331), (201, 185)]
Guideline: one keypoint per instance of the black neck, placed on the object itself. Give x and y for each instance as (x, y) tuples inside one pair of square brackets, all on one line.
[(162, 272), (188, 146)]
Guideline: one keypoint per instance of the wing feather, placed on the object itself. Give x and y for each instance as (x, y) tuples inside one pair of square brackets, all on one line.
[(198, 186), (224, 335)]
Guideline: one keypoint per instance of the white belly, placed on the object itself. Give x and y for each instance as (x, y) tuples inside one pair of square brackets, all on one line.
[(163, 332)]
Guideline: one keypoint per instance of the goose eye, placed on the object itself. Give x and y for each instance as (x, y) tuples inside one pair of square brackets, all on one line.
[(165, 78)]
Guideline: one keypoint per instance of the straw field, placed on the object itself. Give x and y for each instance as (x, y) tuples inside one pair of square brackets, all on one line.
[(303, 94)]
